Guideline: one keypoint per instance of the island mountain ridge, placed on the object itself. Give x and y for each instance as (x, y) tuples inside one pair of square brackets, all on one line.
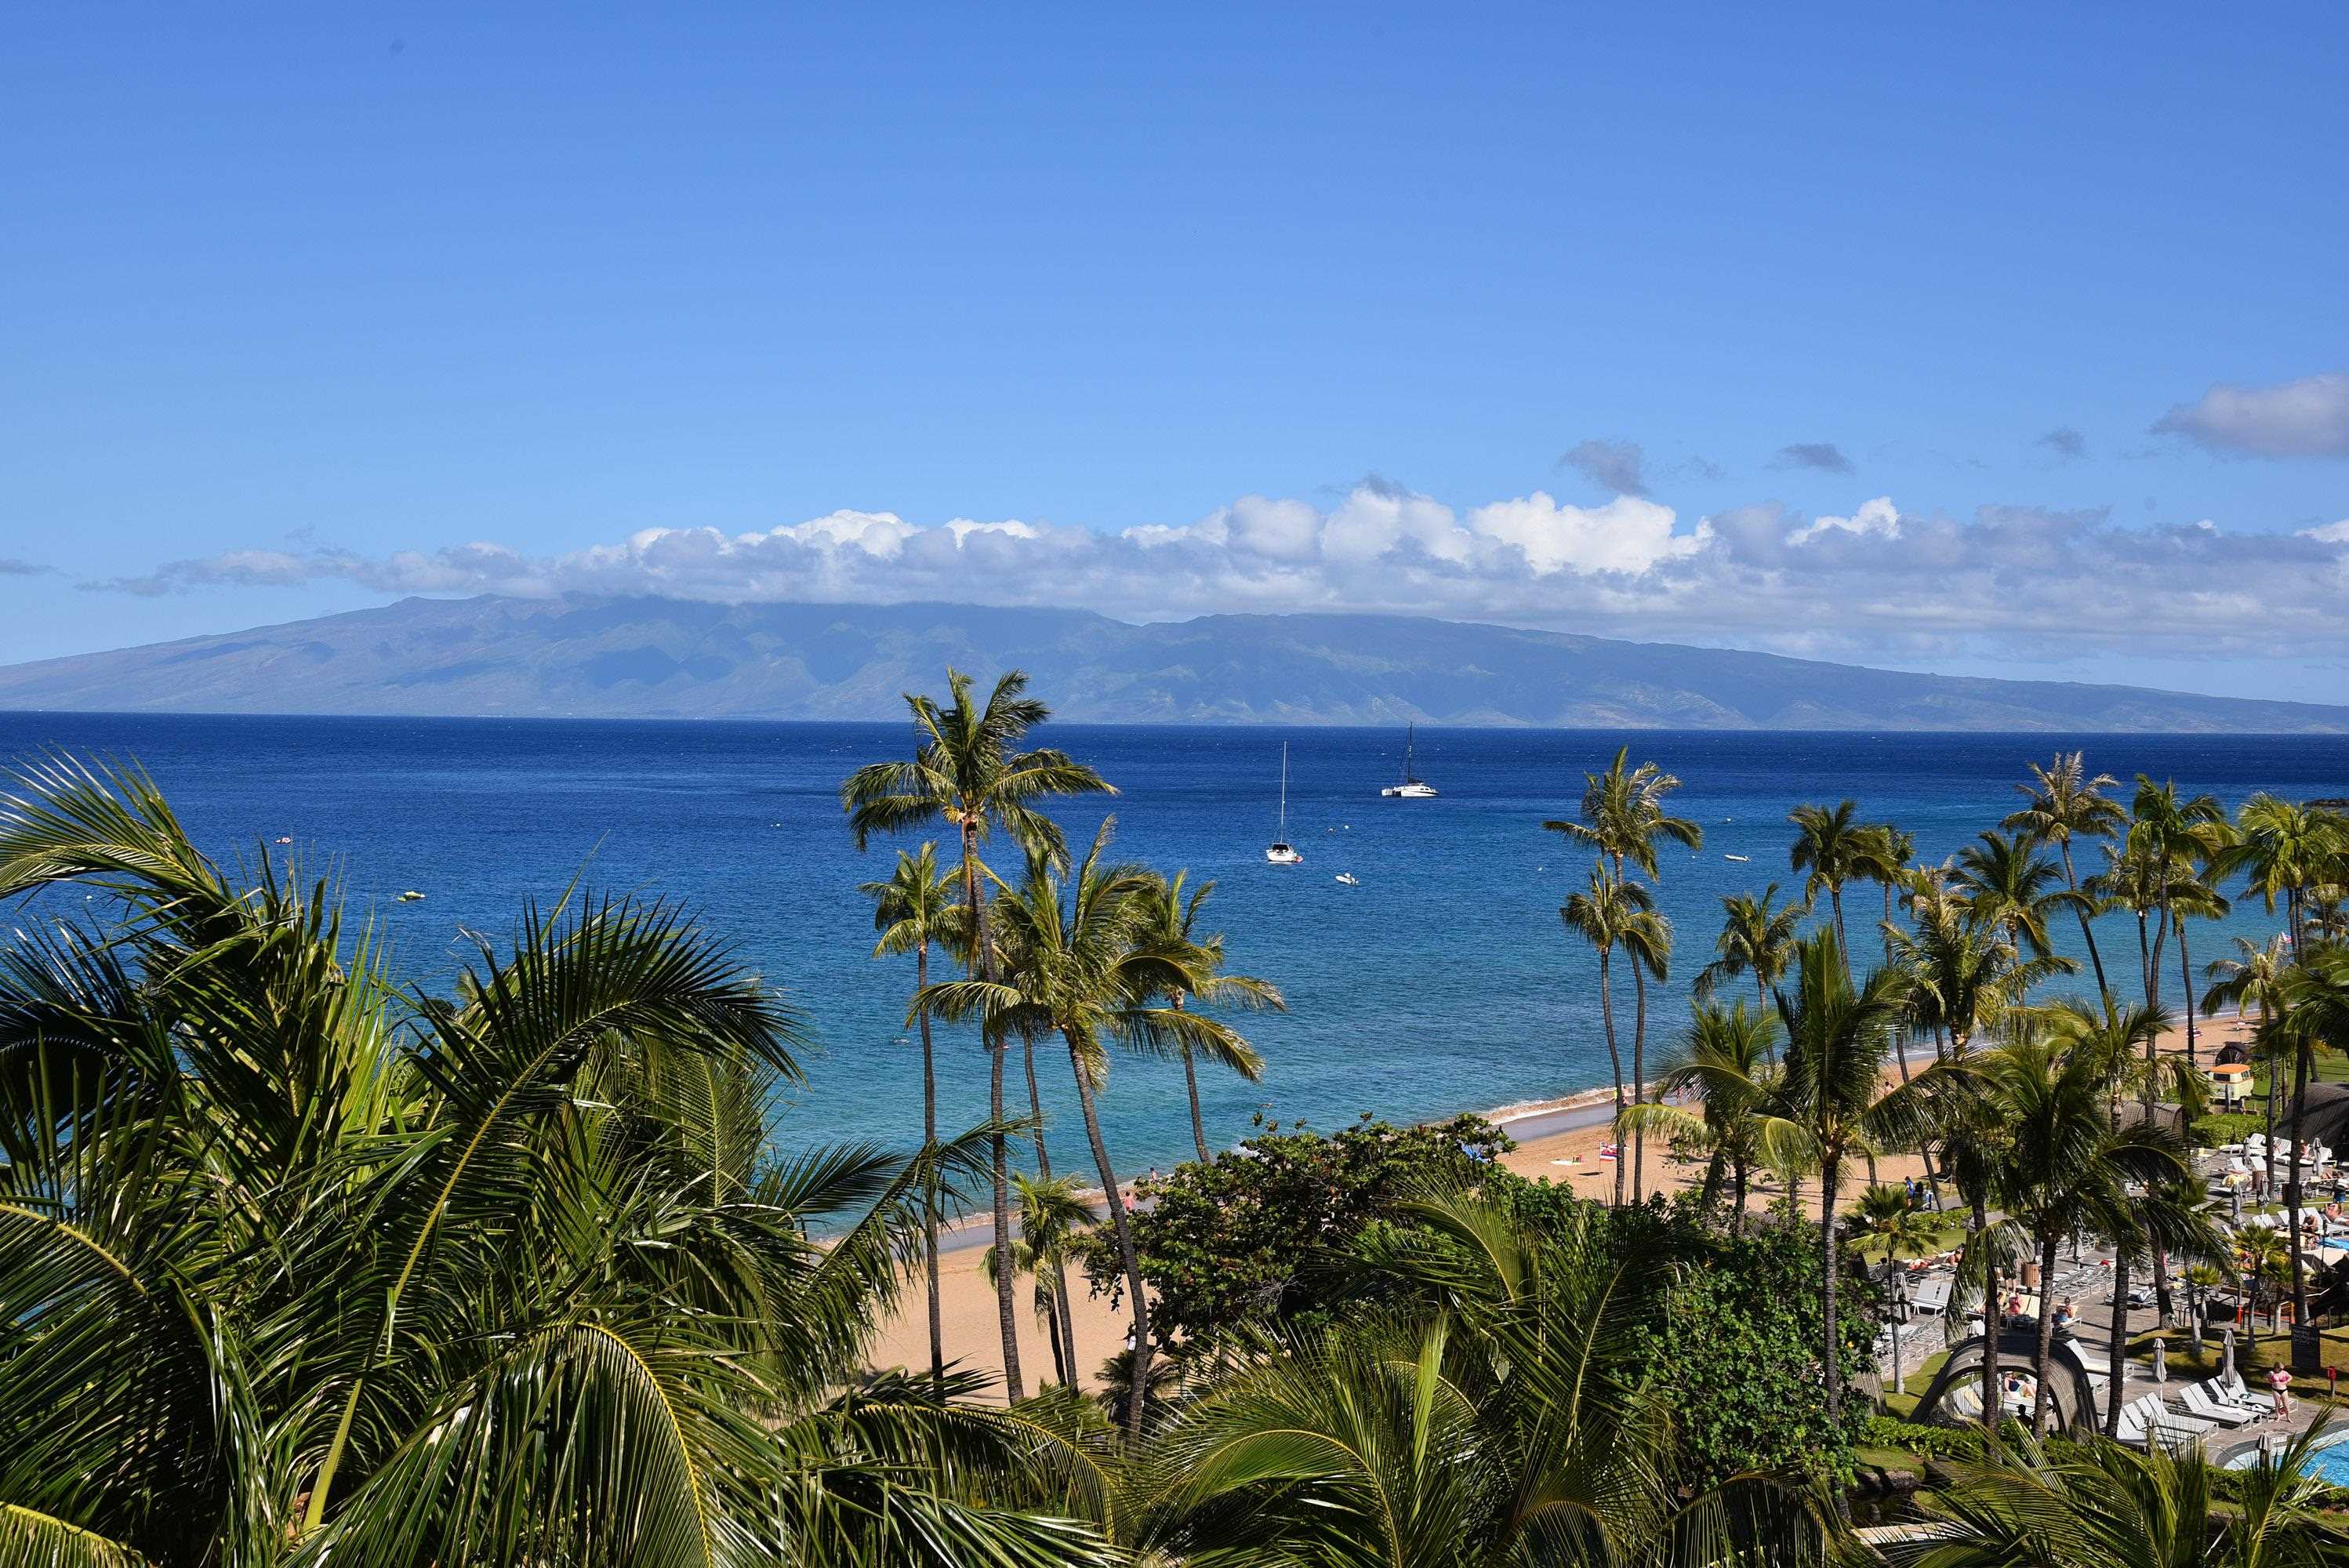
[(586, 657)]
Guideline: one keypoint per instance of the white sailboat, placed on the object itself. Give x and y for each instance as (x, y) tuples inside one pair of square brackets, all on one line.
[(1412, 788), (1279, 851)]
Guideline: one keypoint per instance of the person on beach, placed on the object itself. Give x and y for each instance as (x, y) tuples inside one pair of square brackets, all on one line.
[(2280, 1384)]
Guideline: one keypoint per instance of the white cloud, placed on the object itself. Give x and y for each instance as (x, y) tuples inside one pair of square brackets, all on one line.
[(1879, 517), (1627, 534), (1877, 583), (2304, 418)]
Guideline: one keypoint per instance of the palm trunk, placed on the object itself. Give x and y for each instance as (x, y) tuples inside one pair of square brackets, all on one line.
[(2300, 1065), (1615, 1062), (1061, 1357), (1738, 1186), (1191, 1083), (1639, 1075), (1835, 892), (1140, 1398), (931, 1187), (1832, 1363), (2144, 957), (2116, 1350), (1714, 1169), (1990, 1327), (2186, 978), (1044, 1172), (2047, 1332), (2088, 931), (983, 959)]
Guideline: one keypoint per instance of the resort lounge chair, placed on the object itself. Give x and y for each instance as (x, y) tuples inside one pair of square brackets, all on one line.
[(1965, 1400), (2198, 1400), (2157, 1415)]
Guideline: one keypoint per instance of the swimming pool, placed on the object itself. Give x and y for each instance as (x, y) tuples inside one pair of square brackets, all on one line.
[(2329, 1463)]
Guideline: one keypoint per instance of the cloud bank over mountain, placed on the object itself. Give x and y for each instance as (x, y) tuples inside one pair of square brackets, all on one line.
[(1879, 581)]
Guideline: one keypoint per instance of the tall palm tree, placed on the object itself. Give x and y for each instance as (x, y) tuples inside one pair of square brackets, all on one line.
[(1622, 815), (2178, 833), (1839, 1041), (1963, 978), (2068, 1167), (1728, 1057), (297, 1266), (1607, 915), (2253, 979), (2099, 1504), (1831, 845), (1052, 1216), (1078, 968), (1171, 925), (1755, 939), (2065, 804), (969, 772), (912, 910), (2012, 890), (2194, 895), (2285, 847), (1885, 851), (2313, 1016)]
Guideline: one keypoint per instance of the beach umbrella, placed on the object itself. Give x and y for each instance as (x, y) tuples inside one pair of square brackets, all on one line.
[(2227, 1379), (2160, 1362)]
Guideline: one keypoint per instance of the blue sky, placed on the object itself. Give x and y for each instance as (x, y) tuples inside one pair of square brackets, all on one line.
[(2045, 311)]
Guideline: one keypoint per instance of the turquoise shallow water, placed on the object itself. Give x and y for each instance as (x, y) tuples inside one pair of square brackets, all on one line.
[(1443, 983)]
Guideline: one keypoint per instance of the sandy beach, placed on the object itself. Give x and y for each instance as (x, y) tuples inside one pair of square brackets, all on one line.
[(1568, 1155)]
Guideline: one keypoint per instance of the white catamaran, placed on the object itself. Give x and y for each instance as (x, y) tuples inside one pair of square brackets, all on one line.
[(1412, 788), (1279, 851)]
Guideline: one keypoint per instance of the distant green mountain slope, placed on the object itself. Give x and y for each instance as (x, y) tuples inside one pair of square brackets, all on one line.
[(644, 658)]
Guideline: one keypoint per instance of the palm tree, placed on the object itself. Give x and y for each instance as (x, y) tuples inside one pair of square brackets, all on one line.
[(969, 773), (1839, 1040), (1963, 976), (2285, 849), (2101, 1504), (1607, 915), (1053, 1214), (2193, 895), (1498, 1416), (1170, 925), (2068, 1167), (1833, 847), (1890, 1220), (1078, 967), (2177, 833), (1729, 1059), (2252, 979), (1622, 815), (1755, 939), (297, 1266), (912, 910), (2066, 804), (1885, 850), (2010, 889), (2313, 1016)]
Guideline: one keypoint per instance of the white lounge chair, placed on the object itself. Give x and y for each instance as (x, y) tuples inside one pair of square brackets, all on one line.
[(2159, 1414), (2197, 1401)]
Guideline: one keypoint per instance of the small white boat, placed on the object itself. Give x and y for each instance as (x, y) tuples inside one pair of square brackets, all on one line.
[(1279, 852), (410, 896), (1350, 879), (1740, 858), (1412, 788)]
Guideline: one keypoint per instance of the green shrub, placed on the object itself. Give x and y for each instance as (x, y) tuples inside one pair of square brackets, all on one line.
[(1925, 1441), (2224, 1126)]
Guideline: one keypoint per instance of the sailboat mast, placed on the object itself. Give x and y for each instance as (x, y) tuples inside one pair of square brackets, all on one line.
[(1284, 791)]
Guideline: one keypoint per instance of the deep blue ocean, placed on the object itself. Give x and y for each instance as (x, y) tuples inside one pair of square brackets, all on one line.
[(1443, 983)]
